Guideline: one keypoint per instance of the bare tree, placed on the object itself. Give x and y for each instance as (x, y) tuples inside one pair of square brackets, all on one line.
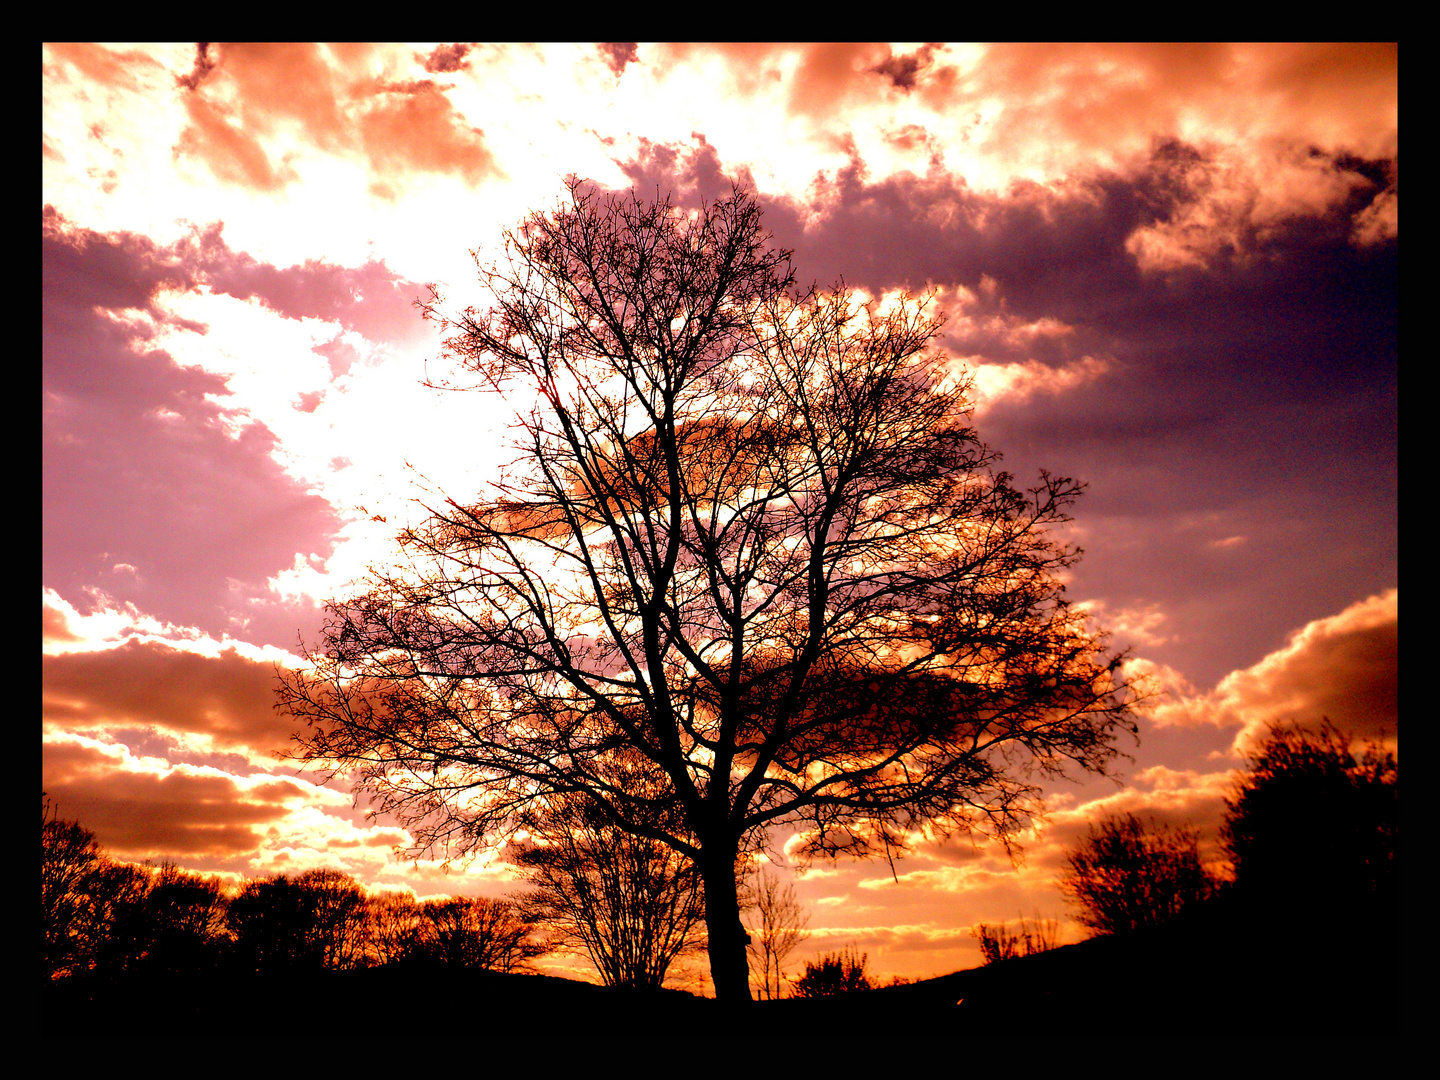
[(632, 904), (71, 862), (337, 904), (776, 929), (1001, 941), (1127, 874), (394, 927), (749, 539), (478, 932)]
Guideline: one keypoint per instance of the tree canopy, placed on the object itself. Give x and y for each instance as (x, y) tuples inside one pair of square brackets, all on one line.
[(751, 566), (1126, 874), (1314, 818)]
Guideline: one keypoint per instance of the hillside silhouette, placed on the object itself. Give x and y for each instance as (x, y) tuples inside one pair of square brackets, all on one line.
[(1215, 972)]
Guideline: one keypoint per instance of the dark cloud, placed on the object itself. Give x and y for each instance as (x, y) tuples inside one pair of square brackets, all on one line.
[(139, 468), (139, 814), (229, 697), (204, 64), (446, 58), (903, 68), (1344, 668), (690, 174), (618, 54), (369, 299)]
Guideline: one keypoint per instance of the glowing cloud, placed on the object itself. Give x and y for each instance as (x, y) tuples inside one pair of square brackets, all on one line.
[(1344, 668)]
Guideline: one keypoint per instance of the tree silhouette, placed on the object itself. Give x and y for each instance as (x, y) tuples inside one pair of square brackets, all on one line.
[(181, 923), (999, 941), (1312, 820), (394, 927), (834, 973), (749, 540), (477, 932), (71, 863), (776, 931), (1127, 874), (311, 922), (631, 903)]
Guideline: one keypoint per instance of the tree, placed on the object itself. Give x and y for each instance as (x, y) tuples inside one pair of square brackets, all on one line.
[(477, 932), (70, 864), (1313, 819), (182, 922), (749, 540), (394, 927), (777, 929), (314, 921), (1127, 874), (834, 973), (633, 904), (1001, 942)]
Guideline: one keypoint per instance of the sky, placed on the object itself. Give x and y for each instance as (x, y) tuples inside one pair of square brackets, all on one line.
[(1171, 270)]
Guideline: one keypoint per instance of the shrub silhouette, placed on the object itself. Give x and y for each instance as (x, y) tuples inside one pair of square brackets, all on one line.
[(1311, 818), (1127, 874), (1000, 942), (834, 973)]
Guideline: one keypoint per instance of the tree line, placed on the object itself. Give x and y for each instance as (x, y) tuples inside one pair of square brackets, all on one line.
[(104, 917), (632, 906)]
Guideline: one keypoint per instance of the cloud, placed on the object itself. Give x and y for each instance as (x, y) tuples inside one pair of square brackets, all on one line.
[(160, 487), (227, 698), (143, 808), (260, 106), (1344, 668), (618, 55), (447, 58)]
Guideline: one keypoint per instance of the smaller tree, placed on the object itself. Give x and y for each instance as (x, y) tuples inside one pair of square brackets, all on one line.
[(1000, 942), (834, 973), (1312, 818), (71, 863), (633, 904), (1127, 874), (776, 928), (477, 932), (394, 923)]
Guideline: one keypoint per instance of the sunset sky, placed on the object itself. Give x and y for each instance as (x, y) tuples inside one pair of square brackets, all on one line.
[(1172, 270)]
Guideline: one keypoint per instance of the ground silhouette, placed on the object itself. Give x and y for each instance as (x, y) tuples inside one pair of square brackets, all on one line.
[(1217, 971)]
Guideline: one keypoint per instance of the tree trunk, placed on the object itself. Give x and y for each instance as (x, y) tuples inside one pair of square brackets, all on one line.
[(729, 967)]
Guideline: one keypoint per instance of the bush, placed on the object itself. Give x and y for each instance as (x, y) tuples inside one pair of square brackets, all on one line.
[(834, 973), (1127, 874), (1311, 818), (999, 942)]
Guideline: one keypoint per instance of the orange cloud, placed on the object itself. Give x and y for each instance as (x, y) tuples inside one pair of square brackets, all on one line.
[(255, 108), (149, 809), (1344, 668), (228, 698)]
